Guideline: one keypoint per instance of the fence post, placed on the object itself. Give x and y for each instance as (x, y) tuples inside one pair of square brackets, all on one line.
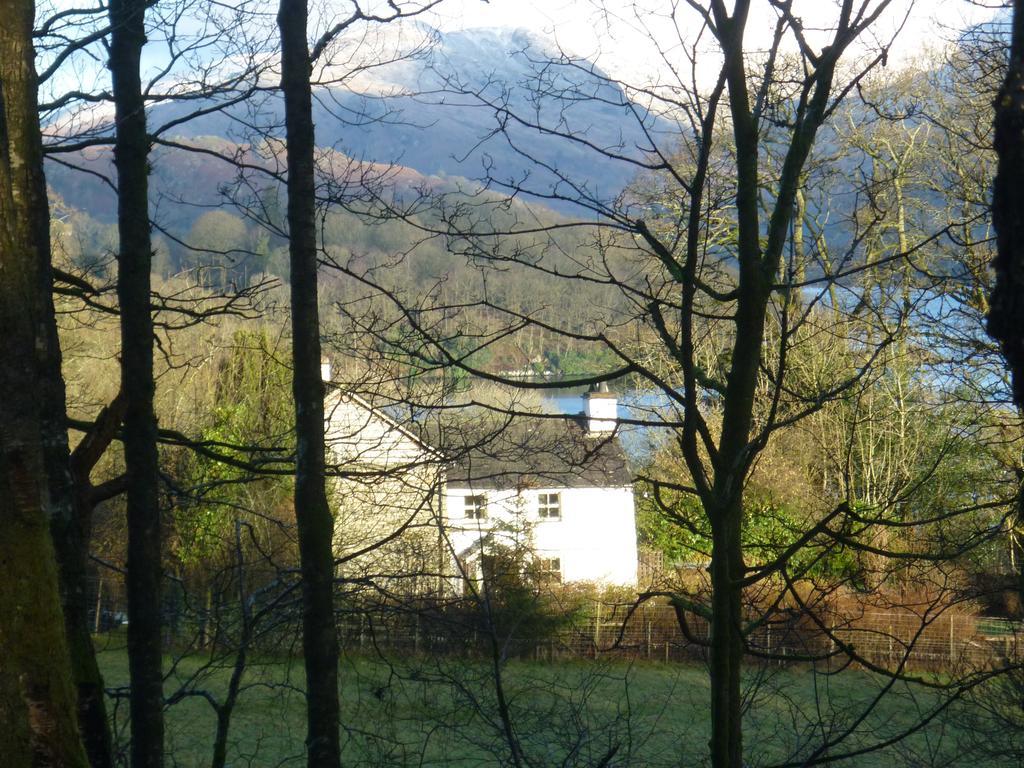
[(597, 628), (99, 607), (648, 638), (951, 660), (204, 631), (891, 650)]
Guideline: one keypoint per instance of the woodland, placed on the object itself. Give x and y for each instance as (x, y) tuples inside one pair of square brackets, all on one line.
[(792, 234)]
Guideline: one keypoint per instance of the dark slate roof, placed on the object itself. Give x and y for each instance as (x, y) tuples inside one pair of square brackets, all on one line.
[(532, 452)]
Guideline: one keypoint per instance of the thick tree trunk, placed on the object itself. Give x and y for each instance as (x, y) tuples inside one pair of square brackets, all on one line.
[(1006, 313), (36, 694), (131, 157), (71, 536), (69, 528), (726, 638), (71, 543), (312, 513)]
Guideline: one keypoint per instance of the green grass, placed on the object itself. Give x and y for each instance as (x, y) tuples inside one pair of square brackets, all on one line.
[(443, 712)]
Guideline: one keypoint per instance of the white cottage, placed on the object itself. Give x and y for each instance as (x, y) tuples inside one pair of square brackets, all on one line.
[(557, 485), (560, 483)]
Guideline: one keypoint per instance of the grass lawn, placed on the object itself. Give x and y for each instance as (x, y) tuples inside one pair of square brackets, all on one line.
[(444, 712)]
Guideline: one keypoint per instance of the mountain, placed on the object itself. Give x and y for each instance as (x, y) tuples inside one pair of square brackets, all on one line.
[(428, 112), (186, 183)]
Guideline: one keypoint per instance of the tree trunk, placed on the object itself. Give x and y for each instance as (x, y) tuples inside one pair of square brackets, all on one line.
[(726, 638), (1006, 304), (36, 693), (227, 707), (71, 543), (1006, 313), (131, 157), (312, 513), (71, 534), (70, 528)]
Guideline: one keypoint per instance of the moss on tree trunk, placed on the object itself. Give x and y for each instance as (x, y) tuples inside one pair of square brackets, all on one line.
[(37, 702)]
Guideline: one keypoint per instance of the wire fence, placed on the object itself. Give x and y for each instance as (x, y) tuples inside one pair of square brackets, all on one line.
[(941, 641)]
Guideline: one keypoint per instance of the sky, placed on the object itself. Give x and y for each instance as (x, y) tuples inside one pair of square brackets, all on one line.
[(579, 20), (581, 29)]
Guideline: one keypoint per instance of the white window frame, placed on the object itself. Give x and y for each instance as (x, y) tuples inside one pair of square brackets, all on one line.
[(474, 507), (549, 506), (549, 569)]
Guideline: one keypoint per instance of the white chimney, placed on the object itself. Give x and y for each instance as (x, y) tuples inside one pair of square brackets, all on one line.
[(325, 369), (601, 408)]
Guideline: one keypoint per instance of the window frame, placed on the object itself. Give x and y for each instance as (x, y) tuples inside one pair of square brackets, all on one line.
[(549, 506), (549, 569), (474, 506)]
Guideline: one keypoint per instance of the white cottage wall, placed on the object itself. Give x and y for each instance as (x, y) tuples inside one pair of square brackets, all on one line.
[(594, 538), (386, 498), (356, 434)]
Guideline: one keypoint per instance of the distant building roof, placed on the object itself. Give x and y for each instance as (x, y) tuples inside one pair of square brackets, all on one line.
[(538, 452), (489, 450)]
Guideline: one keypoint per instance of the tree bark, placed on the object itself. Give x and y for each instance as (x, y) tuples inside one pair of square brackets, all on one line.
[(726, 637), (36, 693), (71, 542), (312, 513), (1006, 313), (92, 709), (724, 501), (131, 158), (71, 531)]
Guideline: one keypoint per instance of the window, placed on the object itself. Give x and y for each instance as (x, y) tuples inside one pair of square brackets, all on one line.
[(475, 507), (549, 506), (549, 570)]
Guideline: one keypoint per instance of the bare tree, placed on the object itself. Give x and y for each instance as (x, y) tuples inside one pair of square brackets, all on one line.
[(36, 693), (71, 41), (312, 512), (135, 256), (71, 535), (721, 308), (716, 279)]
